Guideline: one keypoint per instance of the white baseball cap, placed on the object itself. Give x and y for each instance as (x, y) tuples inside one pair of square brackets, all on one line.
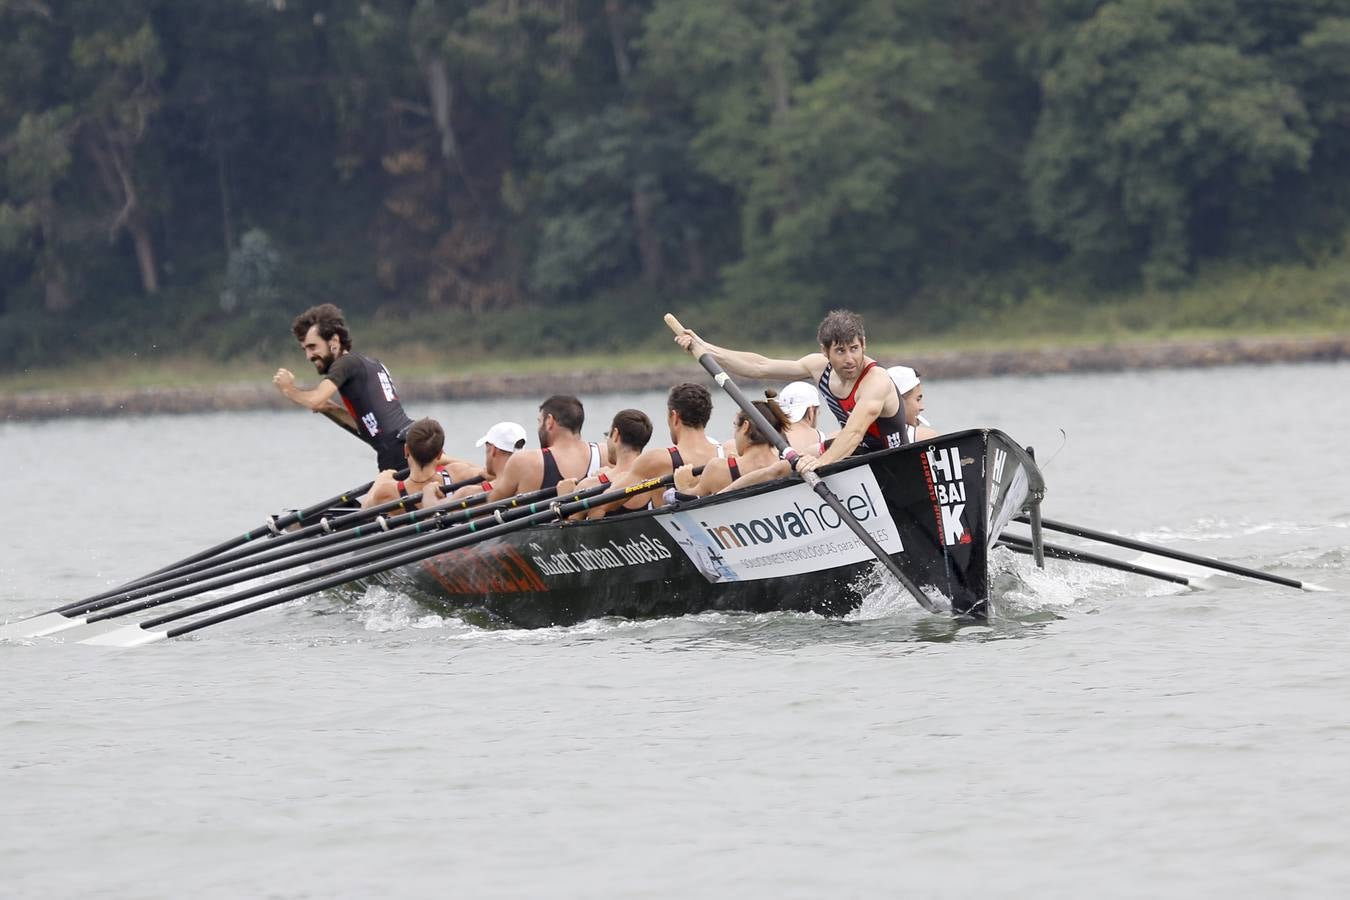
[(506, 436), (796, 398), (905, 378)]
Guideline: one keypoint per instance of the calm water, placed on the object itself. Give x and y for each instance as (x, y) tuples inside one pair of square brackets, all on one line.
[(1107, 736)]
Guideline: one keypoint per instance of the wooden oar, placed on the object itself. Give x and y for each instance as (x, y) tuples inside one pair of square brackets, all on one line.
[(1023, 545), (342, 572), (1158, 550), (811, 478)]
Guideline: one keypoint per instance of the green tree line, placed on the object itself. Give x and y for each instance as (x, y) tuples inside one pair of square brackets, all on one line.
[(192, 172)]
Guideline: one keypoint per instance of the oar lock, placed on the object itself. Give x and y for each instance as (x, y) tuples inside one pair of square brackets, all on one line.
[(383, 522), (272, 525), (326, 525)]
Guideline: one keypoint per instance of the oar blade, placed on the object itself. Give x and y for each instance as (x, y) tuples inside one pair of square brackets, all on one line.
[(128, 636), (39, 626)]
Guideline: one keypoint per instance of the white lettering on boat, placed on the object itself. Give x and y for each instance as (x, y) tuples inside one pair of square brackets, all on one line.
[(785, 531), (800, 521), (635, 552), (947, 488)]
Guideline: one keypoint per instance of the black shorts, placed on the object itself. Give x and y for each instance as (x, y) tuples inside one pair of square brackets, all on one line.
[(390, 455)]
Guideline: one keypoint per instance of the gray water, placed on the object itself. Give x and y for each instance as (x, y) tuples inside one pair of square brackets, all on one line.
[(1106, 735)]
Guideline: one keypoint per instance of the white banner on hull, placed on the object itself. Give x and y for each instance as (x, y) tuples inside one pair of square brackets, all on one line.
[(784, 532)]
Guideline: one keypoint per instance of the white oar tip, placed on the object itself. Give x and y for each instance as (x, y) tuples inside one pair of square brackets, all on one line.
[(1313, 588), (131, 636), (39, 626)]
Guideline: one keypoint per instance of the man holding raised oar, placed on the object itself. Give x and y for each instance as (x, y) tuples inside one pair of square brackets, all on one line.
[(856, 388), (370, 407)]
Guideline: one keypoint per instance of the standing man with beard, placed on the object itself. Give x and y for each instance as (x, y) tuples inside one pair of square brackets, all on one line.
[(369, 406)]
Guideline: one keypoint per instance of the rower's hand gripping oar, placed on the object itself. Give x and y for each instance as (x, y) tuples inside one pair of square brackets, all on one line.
[(1180, 555), (811, 478)]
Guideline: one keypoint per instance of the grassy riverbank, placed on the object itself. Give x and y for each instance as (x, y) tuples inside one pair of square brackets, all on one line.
[(1284, 301)]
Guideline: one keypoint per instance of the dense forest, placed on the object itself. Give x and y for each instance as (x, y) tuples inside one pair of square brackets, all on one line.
[(551, 171)]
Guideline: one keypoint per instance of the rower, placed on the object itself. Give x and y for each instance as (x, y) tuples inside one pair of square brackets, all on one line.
[(498, 443), (911, 394), (855, 387), (562, 452), (629, 432), (688, 409), (755, 452), (422, 449), (800, 403)]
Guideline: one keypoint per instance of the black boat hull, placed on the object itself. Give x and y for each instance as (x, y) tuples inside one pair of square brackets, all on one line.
[(937, 508)]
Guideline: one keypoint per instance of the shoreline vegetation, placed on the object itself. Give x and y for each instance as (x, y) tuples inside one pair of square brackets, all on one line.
[(174, 387)]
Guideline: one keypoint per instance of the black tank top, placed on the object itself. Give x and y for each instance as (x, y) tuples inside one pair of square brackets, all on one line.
[(368, 392), (552, 474), (886, 431)]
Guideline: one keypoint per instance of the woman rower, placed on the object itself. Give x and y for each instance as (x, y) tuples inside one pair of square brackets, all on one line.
[(754, 451)]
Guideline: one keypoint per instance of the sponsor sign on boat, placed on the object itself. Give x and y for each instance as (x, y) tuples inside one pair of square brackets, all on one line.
[(784, 532)]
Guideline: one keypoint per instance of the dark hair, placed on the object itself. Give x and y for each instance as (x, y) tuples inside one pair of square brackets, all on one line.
[(635, 429), (566, 410), (692, 402), (840, 327), (329, 320), (773, 414), (425, 440)]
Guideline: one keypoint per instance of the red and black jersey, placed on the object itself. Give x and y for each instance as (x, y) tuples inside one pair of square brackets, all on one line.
[(367, 390), (886, 431)]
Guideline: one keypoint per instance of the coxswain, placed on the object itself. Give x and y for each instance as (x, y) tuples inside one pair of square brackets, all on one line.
[(369, 406)]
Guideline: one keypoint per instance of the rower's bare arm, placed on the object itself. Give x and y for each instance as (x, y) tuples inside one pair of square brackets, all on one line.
[(507, 484), (381, 491), (772, 472), (716, 475), (432, 495), (653, 463), (747, 364), (459, 470), (871, 396), (467, 491)]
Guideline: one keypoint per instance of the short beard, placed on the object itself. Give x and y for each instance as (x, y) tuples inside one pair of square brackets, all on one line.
[(324, 363)]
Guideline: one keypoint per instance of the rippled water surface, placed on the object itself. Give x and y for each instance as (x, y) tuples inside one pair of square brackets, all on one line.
[(1106, 735)]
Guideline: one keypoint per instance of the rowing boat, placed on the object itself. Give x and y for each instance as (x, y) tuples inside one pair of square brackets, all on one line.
[(936, 508)]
